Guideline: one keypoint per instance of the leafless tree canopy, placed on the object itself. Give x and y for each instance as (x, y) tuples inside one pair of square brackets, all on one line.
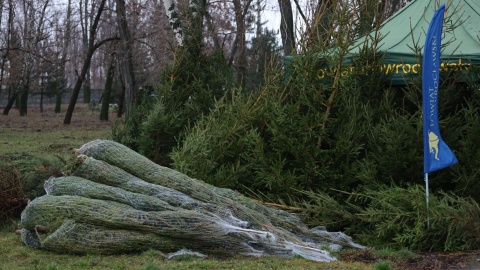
[(52, 47)]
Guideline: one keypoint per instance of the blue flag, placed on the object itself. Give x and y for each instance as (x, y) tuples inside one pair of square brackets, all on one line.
[(437, 155)]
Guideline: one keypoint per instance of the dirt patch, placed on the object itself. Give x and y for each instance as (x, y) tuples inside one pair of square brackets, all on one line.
[(464, 260), (443, 261), (48, 120)]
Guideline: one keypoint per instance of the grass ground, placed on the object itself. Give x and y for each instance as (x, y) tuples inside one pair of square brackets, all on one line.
[(16, 256), (43, 134)]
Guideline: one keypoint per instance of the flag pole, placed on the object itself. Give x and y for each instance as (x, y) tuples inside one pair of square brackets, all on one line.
[(426, 193), (436, 153)]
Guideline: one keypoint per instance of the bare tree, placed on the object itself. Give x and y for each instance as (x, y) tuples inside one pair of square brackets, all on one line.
[(64, 52), (240, 39), (92, 47), (32, 33), (388, 7), (126, 63), (7, 38), (86, 18)]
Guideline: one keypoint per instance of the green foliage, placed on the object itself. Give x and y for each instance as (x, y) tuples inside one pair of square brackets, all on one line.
[(34, 170), (299, 136), (352, 134), (350, 131), (463, 128), (217, 154), (129, 132), (395, 217), (56, 82), (383, 265), (188, 90)]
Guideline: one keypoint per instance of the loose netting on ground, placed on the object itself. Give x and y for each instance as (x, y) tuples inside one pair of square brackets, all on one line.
[(114, 200)]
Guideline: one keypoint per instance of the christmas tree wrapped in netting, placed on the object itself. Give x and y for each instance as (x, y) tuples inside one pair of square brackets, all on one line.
[(114, 200)]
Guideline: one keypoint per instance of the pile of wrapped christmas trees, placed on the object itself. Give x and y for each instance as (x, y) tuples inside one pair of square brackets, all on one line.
[(114, 200)]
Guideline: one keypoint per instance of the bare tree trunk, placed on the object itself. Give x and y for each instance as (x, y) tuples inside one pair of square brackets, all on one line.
[(63, 60), (2, 4), (76, 89), (87, 90), (28, 39), (121, 98), (286, 26), (32, 36), (21, 93), (11, 100), (240, 40), (21, 87), (86, 24), (131, 99), (24, 99), (108, 89), (86, 64), (41, 93), (7, 38)]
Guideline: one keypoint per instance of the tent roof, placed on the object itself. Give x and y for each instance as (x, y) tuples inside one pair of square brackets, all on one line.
[(410, 24), (408, 27)]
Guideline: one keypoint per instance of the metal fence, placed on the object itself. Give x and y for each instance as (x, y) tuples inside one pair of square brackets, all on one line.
[(35, 98)]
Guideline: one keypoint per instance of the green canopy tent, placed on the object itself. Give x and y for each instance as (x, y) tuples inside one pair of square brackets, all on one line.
[(408, 26)]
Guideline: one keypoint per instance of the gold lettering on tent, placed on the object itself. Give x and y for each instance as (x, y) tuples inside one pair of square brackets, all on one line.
[(415, 68), (321, 74), (389, 69), (396, 70)]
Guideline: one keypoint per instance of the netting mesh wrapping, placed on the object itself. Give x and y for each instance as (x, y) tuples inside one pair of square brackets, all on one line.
[(72, 185), (242, 207), (104, 173), (85, 238), (117, 201)]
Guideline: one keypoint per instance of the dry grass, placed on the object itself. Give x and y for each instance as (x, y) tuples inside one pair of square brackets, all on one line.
[(44, 132)]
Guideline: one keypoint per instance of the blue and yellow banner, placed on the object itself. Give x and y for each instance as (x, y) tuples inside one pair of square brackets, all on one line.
[(437, 154)]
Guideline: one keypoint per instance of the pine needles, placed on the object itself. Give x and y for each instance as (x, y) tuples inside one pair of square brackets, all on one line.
[(395, 217)]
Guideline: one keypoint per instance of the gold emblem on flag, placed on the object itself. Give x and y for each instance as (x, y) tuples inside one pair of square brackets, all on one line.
[(433, 143)]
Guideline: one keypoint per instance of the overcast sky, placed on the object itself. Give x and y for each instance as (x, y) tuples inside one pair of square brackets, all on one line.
[(272, 15)]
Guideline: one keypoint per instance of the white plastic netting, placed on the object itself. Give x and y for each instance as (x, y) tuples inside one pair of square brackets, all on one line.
[(117, 201)]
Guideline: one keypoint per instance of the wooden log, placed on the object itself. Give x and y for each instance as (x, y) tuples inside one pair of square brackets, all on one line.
[(42, 229)]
